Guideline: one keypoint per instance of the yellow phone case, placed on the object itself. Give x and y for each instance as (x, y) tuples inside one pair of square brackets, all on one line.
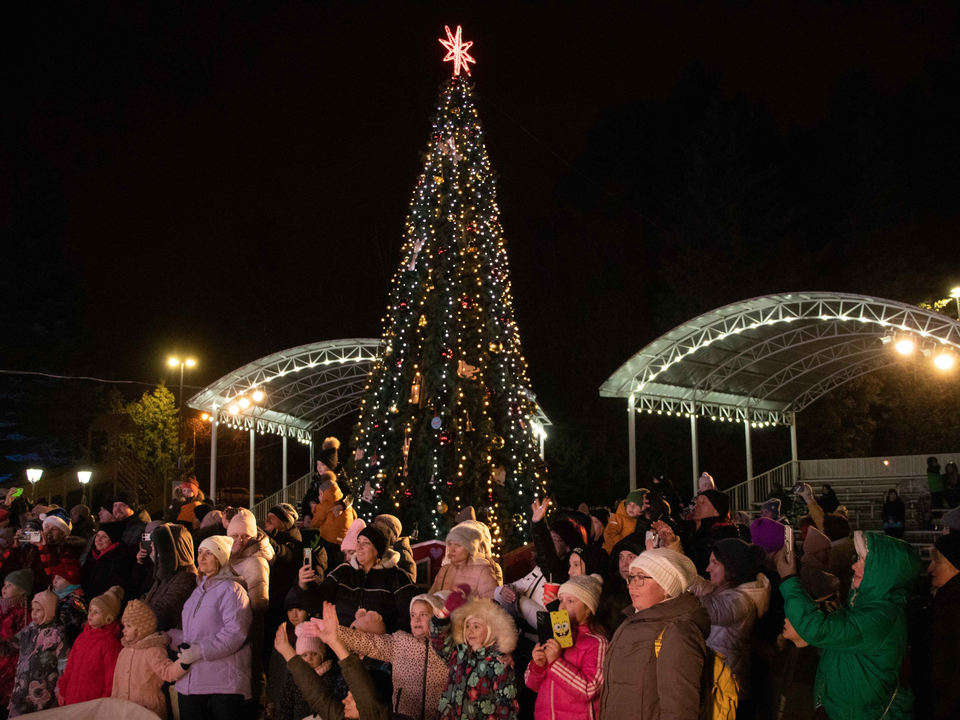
[(562, 632)]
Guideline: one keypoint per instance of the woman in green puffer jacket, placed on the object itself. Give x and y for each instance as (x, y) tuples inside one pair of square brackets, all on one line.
[(864, 643)]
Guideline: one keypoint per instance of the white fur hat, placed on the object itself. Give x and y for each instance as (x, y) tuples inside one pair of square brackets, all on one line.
[(673, 571)]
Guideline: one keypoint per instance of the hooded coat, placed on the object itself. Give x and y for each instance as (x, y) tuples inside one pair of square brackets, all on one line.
[(638, 684), (733, 613), (253, 564), (569, 688), (90, 667), (618, 527), (142, 669), (217, 619), (863, 644), (481, 684), (175, 575), (42, 657)]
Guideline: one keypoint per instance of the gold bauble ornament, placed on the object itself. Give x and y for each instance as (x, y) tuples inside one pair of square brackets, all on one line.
[(442, 507), (498, 442)]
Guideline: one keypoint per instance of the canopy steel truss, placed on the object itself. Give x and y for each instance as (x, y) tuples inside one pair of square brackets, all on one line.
[(763, 360)]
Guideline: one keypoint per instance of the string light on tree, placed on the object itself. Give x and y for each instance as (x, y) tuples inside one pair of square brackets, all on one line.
[(447, 416)]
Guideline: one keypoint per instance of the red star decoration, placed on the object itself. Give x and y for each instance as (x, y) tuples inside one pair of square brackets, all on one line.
[(457, 50)]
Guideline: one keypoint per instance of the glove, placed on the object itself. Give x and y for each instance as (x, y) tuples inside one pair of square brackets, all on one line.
[(310, 628), (188, 655), (456, 598)]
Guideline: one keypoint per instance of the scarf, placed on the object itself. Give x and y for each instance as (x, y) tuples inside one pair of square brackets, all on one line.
[(66, 591)]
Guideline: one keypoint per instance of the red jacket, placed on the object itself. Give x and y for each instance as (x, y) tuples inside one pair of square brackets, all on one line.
[(90, 666), (569, 688)]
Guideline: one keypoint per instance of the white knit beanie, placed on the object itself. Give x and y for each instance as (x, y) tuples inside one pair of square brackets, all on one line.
[(672, 571), (220, 546), (585, 588)]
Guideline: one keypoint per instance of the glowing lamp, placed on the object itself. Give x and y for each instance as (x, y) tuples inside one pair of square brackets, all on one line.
[(955, 293), (258, 395), (173, 362), (945, 361), (191, 362), (84, 476), (234, 409), (33, 475), (244, 403), (905, 346), (205, 416)]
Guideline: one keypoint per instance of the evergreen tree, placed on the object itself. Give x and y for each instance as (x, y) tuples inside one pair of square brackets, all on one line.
[(448, 418)]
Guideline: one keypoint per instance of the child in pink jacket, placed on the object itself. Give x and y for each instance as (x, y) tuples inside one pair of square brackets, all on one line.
[(568, 681)]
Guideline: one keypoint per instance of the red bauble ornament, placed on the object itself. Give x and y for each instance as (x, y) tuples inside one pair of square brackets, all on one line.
[(404, 303), (441, 250), (446, 353), (446, 437)]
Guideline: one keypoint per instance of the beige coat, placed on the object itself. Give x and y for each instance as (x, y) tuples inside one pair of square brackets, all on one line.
[(478, 572)]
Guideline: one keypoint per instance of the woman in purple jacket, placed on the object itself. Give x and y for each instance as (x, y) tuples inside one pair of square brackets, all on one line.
[(216, 623)]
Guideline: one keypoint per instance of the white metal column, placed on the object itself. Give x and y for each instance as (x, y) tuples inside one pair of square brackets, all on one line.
[(794, 455), (213, 456), (632, 431), (313, 462), (285, 469), (695, 452), (746, 437), (253, 477)]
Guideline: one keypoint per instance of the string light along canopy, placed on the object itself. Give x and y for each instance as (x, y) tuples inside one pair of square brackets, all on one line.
[(457, 50), (761, 361)]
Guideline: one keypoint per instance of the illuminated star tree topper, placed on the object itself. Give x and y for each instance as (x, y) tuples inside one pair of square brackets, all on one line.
[(457, 50)]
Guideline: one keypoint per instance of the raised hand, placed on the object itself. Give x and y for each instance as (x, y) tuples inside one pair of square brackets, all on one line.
[(540, 508)]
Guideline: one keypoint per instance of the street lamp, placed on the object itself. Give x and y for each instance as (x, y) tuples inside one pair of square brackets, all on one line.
[(84, 477), (173, 362), (33, 475), (955, 294)]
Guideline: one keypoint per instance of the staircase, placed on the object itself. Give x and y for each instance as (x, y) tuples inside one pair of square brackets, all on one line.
[(861, 485)]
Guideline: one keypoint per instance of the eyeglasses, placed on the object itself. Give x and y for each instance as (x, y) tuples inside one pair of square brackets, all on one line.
[(637, 580)]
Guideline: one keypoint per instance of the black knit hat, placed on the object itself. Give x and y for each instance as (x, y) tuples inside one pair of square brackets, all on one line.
[(293, 599), (114, 530), (740, 560), (284, 515), (720, 502), (127, 498), (949, 546), (328, 453), (376, 537)]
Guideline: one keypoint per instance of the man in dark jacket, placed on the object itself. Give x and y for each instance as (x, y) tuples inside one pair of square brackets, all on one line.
[(174, 572), (133, 521)]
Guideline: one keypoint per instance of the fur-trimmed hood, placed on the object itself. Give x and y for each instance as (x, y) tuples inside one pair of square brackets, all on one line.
[(503, 629), (390, 559), (258, 546)]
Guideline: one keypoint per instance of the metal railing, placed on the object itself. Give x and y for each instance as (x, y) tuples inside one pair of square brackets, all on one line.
[(895, 467), (292, 493)]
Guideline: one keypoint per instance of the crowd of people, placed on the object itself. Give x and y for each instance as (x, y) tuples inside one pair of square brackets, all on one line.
[(661, 608)]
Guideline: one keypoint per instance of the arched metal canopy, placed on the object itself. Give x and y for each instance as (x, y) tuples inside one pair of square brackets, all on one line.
[(766, 358), (304, 388), (761, 361)]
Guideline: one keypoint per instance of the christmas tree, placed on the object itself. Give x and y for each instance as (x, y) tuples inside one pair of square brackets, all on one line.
[(448, 418)]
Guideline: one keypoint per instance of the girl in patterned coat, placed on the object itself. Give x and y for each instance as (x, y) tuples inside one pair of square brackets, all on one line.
[(476, 641), (43, 657)]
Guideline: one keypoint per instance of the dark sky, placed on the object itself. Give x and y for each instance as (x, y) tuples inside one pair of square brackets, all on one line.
[(232, 180)]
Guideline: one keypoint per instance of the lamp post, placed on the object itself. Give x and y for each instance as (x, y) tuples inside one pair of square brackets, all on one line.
[(84, 477), (33, 475), (173, 362), (955, 294)]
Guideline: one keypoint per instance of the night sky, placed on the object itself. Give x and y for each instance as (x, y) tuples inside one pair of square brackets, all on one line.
[(231, 181)]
